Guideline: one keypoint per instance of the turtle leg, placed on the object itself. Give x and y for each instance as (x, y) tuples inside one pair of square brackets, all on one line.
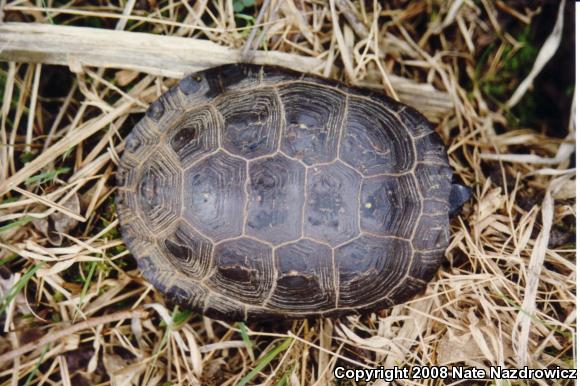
[(459, 195)]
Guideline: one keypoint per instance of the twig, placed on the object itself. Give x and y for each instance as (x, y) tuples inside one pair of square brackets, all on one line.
[(345, 55), (32, 108), (155, 54), (249, 51), (359, 28), (172, 57)]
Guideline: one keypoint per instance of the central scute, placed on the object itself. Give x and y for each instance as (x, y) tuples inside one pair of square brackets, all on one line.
[(275, 199)]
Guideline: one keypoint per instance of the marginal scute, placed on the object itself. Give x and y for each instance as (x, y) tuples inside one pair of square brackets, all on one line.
[(331, 213), (155, 110), (222, 307), (319, 80), (195, 90), (126, 176), (425, 264), (147, 264), (430, 149), (251, 122), (165, 109), (305, 272), (140, 142), (389, 205), (154, 265), (434, 181), (381, 304), (435, 206), (162, 280), (276, 197), (232, 77), (235, 77), (195, 135), (160, 179), (133, 227), (187, 250), (380, 98), (432, 232), (214, 196), (206, 85), (186, 292), (191, 84), (262, 314), (369, 268), (273, 75), (313, 121), (414, 122), (374, 140), (408, 288)]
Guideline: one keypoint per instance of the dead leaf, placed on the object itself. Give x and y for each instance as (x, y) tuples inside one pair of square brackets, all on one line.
[(58, 223), (457, 348)]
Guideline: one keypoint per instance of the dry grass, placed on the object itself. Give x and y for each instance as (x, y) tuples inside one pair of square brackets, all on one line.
[(74, 309)]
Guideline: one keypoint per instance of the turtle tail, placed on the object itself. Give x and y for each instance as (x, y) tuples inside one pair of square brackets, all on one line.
[(459, 195)]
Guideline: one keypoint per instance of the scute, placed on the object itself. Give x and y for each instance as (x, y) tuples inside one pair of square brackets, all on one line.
[(157, 202), (275, 199), (432, 232), (373, 141), (244, 270), (331, 213), (425, 264), (430, 149), (187, 250), (305, 277), (214, 198), (252, 122), (370, 267), (164, 112), (182, 290), (414, 122), (434, 181), (253, 192), (314, 118), (194, 135), (223, 307), (141, 141), (390, 205)]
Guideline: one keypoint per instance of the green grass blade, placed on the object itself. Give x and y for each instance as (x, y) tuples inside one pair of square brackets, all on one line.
[(263, 362), (92, 267), (41, 178), (37, 366), (18, 287), (284, 380), (21, 221), (246, 339), (8, 259)]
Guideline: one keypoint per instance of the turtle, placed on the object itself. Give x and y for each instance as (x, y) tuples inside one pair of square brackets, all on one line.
[(253, 192)]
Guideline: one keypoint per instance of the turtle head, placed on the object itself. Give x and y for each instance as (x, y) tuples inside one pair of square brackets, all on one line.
[(459, 195)]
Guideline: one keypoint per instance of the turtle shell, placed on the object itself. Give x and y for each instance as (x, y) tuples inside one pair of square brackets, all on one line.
[(254, 192)]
